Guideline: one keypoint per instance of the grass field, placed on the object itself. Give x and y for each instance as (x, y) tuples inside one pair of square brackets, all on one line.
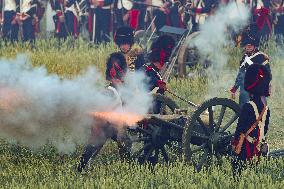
[(21, 167)]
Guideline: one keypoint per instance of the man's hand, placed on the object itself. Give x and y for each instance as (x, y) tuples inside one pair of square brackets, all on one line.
[(162, 85), (233, 91), (61, 18)]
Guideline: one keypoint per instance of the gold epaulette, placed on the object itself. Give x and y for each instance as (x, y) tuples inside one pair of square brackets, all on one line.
[(265, 62), (265, 55), (136, 50)]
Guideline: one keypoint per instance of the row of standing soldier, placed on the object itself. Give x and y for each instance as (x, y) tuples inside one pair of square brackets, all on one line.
[(104, 16)]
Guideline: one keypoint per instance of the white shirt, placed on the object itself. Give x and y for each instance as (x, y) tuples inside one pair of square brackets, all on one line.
[(10, 5)]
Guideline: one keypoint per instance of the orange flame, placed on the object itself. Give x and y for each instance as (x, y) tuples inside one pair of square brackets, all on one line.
[(118, 118)]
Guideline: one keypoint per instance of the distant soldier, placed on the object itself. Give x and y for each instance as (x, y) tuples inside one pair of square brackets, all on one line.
[(116, 69), (278, 18), (66, 22), (249, 140), (262, 17), (29, 20), (10, 25), (252, 56), (100, 20), (175, 15), (160, 53), (201, 9), (134, 17), (124, 39)]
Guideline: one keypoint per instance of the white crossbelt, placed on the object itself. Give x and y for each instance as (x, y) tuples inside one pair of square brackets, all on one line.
[(248, 60)]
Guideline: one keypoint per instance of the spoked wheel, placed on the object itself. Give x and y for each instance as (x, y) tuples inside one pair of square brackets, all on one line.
[(168, 107), (209, 130), (189, 56), (151, 139), (148, 144)]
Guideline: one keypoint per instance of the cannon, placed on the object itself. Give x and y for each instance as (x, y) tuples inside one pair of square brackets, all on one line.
[(201, 134)]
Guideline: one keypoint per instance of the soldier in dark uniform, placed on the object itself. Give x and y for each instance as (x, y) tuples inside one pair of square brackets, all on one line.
[(116, 69), (124, 39), (66, 23), (161, 51), (262, 17), (10, 25), (278, 19), (29, 19), (135, 17), (162, 14), (101, 17), (252, 56), (249, 140), (200, 10)]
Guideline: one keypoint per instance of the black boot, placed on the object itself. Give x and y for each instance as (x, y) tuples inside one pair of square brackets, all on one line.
[(86, 156)]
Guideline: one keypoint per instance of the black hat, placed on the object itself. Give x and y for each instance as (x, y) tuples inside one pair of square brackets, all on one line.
[(116, 66), (124, 35), (162, 49), (257, 80), (250, 38)]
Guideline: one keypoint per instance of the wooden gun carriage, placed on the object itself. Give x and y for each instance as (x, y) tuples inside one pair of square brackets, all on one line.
[(201, 134)]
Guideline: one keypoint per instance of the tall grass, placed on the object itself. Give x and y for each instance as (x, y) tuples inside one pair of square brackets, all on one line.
[(45, 168)]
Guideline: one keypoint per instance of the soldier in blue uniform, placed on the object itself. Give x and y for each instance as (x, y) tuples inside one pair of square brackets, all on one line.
[(100, 15), (252, 56), (124, 39), (10, 25), (160, 53), (116, 69), (201, 10), (66, 23), (249, 140), (29, 19)]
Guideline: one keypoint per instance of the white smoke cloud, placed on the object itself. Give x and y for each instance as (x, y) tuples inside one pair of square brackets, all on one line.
[(37, 108), (214, 39)]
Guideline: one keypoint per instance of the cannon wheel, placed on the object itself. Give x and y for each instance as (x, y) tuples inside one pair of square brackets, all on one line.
[(148, 145), (187, 55), (209, 131)]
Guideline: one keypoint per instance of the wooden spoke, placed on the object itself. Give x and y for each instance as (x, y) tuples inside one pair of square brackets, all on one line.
[(220, 118), (211, 118), (202, 125), (165, 154), (232, 120), (196, 134)]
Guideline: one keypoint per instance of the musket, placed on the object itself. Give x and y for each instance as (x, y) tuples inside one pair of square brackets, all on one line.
[(181, 98), (2, 3), (94, 28)]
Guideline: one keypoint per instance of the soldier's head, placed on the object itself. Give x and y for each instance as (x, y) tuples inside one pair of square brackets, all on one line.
[(257, 80), (161, 50), (116, 68), (250, 41), (124, 38)]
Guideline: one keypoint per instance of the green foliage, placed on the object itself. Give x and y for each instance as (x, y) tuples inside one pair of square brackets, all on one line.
[(45, 168)]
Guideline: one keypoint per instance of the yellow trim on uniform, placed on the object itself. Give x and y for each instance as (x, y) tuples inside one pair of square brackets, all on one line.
[(265, 62)]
